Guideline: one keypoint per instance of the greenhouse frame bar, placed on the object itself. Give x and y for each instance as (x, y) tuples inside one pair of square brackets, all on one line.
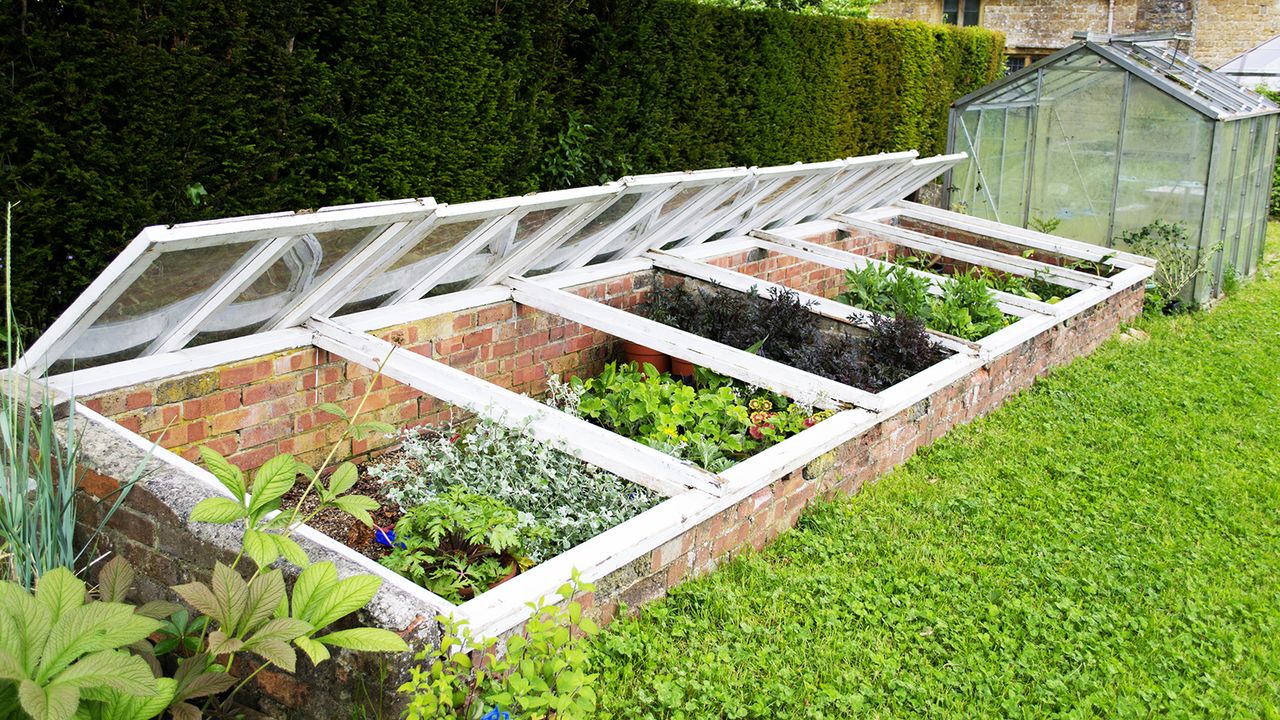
[(1112, 133)]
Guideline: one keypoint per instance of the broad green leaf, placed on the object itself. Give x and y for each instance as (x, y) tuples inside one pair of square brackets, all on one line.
[(278, 652), (221, 644), (109, 668), (282, 629), (114, 581), (260, 548), (358, 507), (52, 703), (272, 481), (312, 585), (365, 640), (119, 706), (60, 591), (158, 609), (230, 592), (10, 668), (196, 679), (343, 478), (199, 596), (88, 629), (229, 475), (291, 550), (218, 510), (185, 711), (264, 595), (348, 596), (314, 650)]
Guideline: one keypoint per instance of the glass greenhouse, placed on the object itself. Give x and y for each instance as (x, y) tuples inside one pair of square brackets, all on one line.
[(1106, 136)]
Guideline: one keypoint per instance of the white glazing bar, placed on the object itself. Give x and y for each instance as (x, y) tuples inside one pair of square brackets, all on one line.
[(236, 281), (921, 173), (678, 224), (355, 264), (89, 306), (474, 242), (621, 456), (867, 184), (547, 240), (201, 234), (842, 187), (766, 212), (975, 255), (783, 379), (591, 247)]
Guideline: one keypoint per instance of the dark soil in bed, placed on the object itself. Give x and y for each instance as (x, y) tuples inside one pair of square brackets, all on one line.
[(346, 529)]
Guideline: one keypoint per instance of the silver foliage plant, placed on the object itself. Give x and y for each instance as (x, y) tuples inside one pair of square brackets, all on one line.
[(571, 499)]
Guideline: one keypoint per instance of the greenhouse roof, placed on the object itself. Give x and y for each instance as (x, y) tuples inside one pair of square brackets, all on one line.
[(1174, 73), (184, 285), (1260, 66)]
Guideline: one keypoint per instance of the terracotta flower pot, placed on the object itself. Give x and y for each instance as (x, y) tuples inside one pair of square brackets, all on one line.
[(681, 368), (637, 353)]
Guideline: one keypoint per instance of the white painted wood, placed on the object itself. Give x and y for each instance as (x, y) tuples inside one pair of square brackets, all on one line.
[(684, 221), (764, 213), (626, 458), (868, 183), (928, 381), (246, 271), (920, 173), (975, 255), (203, 234), (89, 306), (475, 241), (774, 242), (783, 379), (591, 247), (830, 309), (562, 228), (1018, 236), (858, 171), (593, 273), (799, 450)]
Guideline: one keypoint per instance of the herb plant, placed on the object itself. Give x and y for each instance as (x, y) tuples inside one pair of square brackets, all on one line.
[(569, 499), (713, 422), (544, 673), (459, 544), (1178, 263), (964, 307)]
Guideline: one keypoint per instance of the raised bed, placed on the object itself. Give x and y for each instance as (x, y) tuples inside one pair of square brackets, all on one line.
[(491, 350)]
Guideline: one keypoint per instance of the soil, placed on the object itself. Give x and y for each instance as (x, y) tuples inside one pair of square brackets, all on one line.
[(346, 529)]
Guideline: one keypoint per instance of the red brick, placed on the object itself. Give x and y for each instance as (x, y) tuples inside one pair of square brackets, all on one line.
[(265, 432), (498, 313), (245, 374), (138, 399), (271, 390), (250, 459), (464, 321), (98, 485)]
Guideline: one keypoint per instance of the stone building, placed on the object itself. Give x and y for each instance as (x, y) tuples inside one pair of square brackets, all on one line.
[(1220, 29)]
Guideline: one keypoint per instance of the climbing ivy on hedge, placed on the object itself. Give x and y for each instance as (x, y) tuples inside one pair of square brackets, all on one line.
[(114, 108)]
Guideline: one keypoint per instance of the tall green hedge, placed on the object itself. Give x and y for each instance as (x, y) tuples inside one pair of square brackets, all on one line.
[(112, 109)]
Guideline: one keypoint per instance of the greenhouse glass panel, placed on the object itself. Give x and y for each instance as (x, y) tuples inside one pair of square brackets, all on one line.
[(172, 285), (381, 287), (1076, 137), (1164, 162), (307, 263)]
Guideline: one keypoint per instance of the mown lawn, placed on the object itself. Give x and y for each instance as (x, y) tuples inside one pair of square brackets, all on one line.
[(1106, 545)]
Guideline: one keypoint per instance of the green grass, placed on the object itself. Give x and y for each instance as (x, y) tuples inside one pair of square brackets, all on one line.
[(1106, 545)]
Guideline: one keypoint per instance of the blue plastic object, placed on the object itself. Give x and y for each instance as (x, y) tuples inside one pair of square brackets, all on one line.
[(386, 537), (497, 713)]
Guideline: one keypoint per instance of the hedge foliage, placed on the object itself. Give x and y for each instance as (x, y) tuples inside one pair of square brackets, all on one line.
[(113, 109)]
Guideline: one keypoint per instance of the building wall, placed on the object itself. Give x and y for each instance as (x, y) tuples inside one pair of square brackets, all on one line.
[(1221, 29), (1227, 28)]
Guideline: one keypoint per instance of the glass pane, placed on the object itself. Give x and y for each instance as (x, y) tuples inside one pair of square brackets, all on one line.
[(171, 288), (951, 11), (591, 232), (1167, 148), (971, 12), (307, 263), (1077, 130), (380, 287)]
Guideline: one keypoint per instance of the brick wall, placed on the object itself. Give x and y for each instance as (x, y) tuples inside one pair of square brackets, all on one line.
[(1221, 29)]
